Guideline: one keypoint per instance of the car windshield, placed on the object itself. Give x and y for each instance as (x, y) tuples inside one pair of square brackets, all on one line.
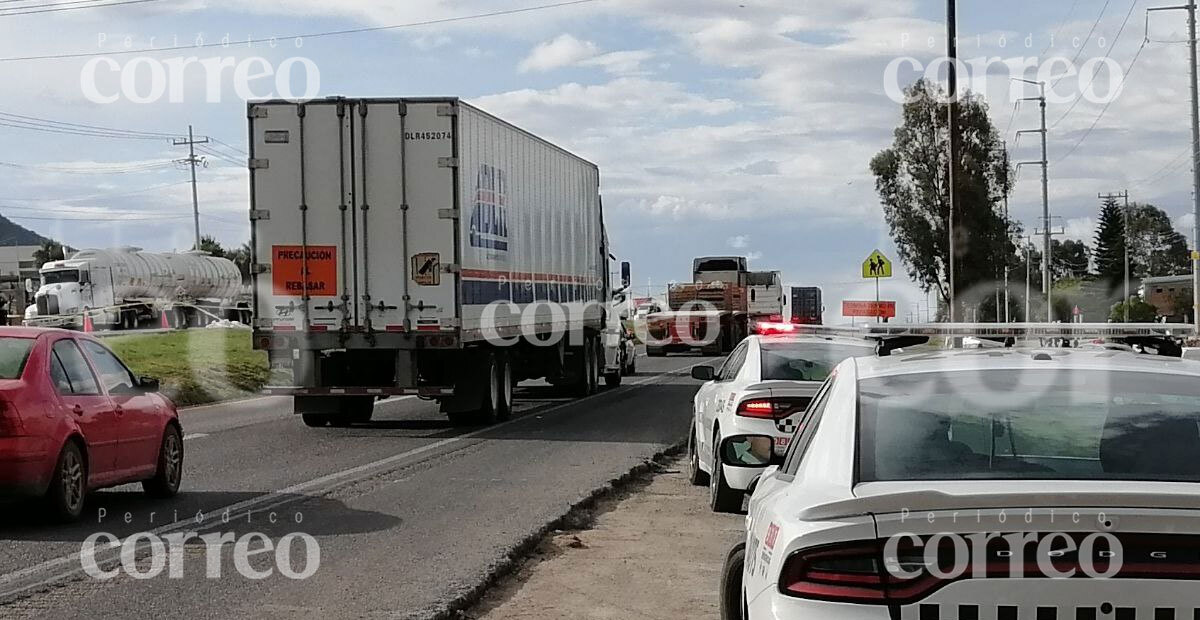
[(14, 352), (60, 277), (805, 361), (1010, 424)]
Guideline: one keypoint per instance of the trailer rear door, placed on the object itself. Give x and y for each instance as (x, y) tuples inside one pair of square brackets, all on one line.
[(353, 206)]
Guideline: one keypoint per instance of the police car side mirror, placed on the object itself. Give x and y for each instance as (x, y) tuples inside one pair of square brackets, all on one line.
[(748, 451), (703, 373)]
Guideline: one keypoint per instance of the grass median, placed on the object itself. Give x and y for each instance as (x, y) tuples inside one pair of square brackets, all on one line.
[(196, 366)]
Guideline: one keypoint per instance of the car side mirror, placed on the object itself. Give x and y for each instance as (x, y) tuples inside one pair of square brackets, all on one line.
[(703, 373), (149, 384), (748, 451)]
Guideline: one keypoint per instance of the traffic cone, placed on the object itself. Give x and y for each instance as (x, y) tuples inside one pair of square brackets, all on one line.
[(164, 323), (87, 323)]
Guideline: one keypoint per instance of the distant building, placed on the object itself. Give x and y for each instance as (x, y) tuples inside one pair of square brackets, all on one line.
[(17, 264), (1163, 291)]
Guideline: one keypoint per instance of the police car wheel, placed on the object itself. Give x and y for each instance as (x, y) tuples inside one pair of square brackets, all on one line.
[(733, 603), (695, 475), (722, 498)]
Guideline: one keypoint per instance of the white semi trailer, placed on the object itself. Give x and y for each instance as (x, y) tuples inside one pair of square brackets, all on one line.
[(125, 288), (423, 246)]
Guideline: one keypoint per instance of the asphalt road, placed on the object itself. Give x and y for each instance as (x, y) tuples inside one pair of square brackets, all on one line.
[(409, 513)]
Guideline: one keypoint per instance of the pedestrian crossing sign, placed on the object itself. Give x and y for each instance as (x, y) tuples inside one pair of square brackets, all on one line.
[(877, 266)]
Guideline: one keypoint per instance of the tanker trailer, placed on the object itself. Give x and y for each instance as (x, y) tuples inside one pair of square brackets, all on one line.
[(126, 288)]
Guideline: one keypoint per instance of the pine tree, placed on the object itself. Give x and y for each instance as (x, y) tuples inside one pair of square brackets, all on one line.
[(1110, 244)]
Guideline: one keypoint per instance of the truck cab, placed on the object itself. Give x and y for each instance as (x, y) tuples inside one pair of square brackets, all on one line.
[(67, 287)]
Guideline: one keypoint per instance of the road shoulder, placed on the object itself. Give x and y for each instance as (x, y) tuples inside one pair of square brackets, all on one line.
[(657, 553)]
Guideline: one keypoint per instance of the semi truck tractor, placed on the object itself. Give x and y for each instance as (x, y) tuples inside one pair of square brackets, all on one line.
[(764, 296), (424, 247), (124, 288)]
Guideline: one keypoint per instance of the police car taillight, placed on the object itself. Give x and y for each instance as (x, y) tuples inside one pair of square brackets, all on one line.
[(849, 573), (771, 408), (853, 572)]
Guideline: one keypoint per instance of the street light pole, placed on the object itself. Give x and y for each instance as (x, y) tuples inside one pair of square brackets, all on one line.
[(952, 75)]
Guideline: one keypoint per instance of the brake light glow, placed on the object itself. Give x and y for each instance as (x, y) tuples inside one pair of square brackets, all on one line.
[(771, 408), (772, 329)]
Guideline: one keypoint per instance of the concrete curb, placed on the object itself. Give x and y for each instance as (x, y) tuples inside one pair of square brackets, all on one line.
[(579, 514)]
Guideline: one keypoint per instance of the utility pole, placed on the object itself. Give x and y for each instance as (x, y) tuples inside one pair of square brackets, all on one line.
[(1190, 7), (1047, 233), (1125, 230), (952, 75), (1047, 285), (1028, 243), (192, 162)]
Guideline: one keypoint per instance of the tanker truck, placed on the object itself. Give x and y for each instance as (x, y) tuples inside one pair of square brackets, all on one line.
[(126, 288)]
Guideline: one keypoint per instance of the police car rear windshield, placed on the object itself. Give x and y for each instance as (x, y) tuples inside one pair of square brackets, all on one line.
[(1037, 425), (805, 361)]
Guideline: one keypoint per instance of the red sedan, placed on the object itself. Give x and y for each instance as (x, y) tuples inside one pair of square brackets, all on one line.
[(74, 419)]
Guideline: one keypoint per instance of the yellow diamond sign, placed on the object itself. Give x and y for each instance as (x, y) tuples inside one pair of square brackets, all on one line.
[(877, 266)]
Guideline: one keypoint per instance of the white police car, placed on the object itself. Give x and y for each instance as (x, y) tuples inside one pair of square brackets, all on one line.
[(762, 388), (987, 484)]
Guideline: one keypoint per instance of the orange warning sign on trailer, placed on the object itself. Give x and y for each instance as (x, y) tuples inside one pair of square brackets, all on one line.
[(287, 270)]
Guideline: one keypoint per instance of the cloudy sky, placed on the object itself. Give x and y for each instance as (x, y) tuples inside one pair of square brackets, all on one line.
[(720, 126)]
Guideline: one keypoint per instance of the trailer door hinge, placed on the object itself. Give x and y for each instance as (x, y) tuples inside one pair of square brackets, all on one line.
[(260, 268), (447, 109), (259, 163), (258, 111), (447, 162), (448, 214), (260, 214), (403, 109), (451, 268)]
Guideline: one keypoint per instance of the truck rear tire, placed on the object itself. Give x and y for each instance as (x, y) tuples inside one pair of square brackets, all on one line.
[(315, 420), (483, 389)]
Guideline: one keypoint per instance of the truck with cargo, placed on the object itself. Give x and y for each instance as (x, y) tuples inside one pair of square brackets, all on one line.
[(425, 247), (710, 314), (807, 305), (126, 288)]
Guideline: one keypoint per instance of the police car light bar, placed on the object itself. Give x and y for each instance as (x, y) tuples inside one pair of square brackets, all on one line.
[(892, 337), (1067, 331)]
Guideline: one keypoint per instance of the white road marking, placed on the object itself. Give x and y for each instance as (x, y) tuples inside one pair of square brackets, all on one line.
[(195, 436), (293, 493)]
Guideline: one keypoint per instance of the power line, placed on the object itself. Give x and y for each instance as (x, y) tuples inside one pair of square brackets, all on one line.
[(1079, 52), (1061, 24), (314, 35), (93, 169), (60, 8), (1107, 55), (84, 127), (1107, 106), (95, 196)]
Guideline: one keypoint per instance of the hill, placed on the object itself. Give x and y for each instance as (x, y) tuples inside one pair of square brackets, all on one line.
[(15, 234)]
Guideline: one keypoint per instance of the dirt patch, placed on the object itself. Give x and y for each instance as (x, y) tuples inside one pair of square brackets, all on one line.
[(656, 553)]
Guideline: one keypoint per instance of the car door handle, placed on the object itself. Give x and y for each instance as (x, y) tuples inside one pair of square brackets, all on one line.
[(78, 409)]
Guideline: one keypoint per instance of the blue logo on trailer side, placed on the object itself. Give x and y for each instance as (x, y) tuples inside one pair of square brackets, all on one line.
[(489, 216)]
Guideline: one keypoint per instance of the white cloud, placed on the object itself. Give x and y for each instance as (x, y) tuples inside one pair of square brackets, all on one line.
[(738, 242), (1081, 229), (563, 51)]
